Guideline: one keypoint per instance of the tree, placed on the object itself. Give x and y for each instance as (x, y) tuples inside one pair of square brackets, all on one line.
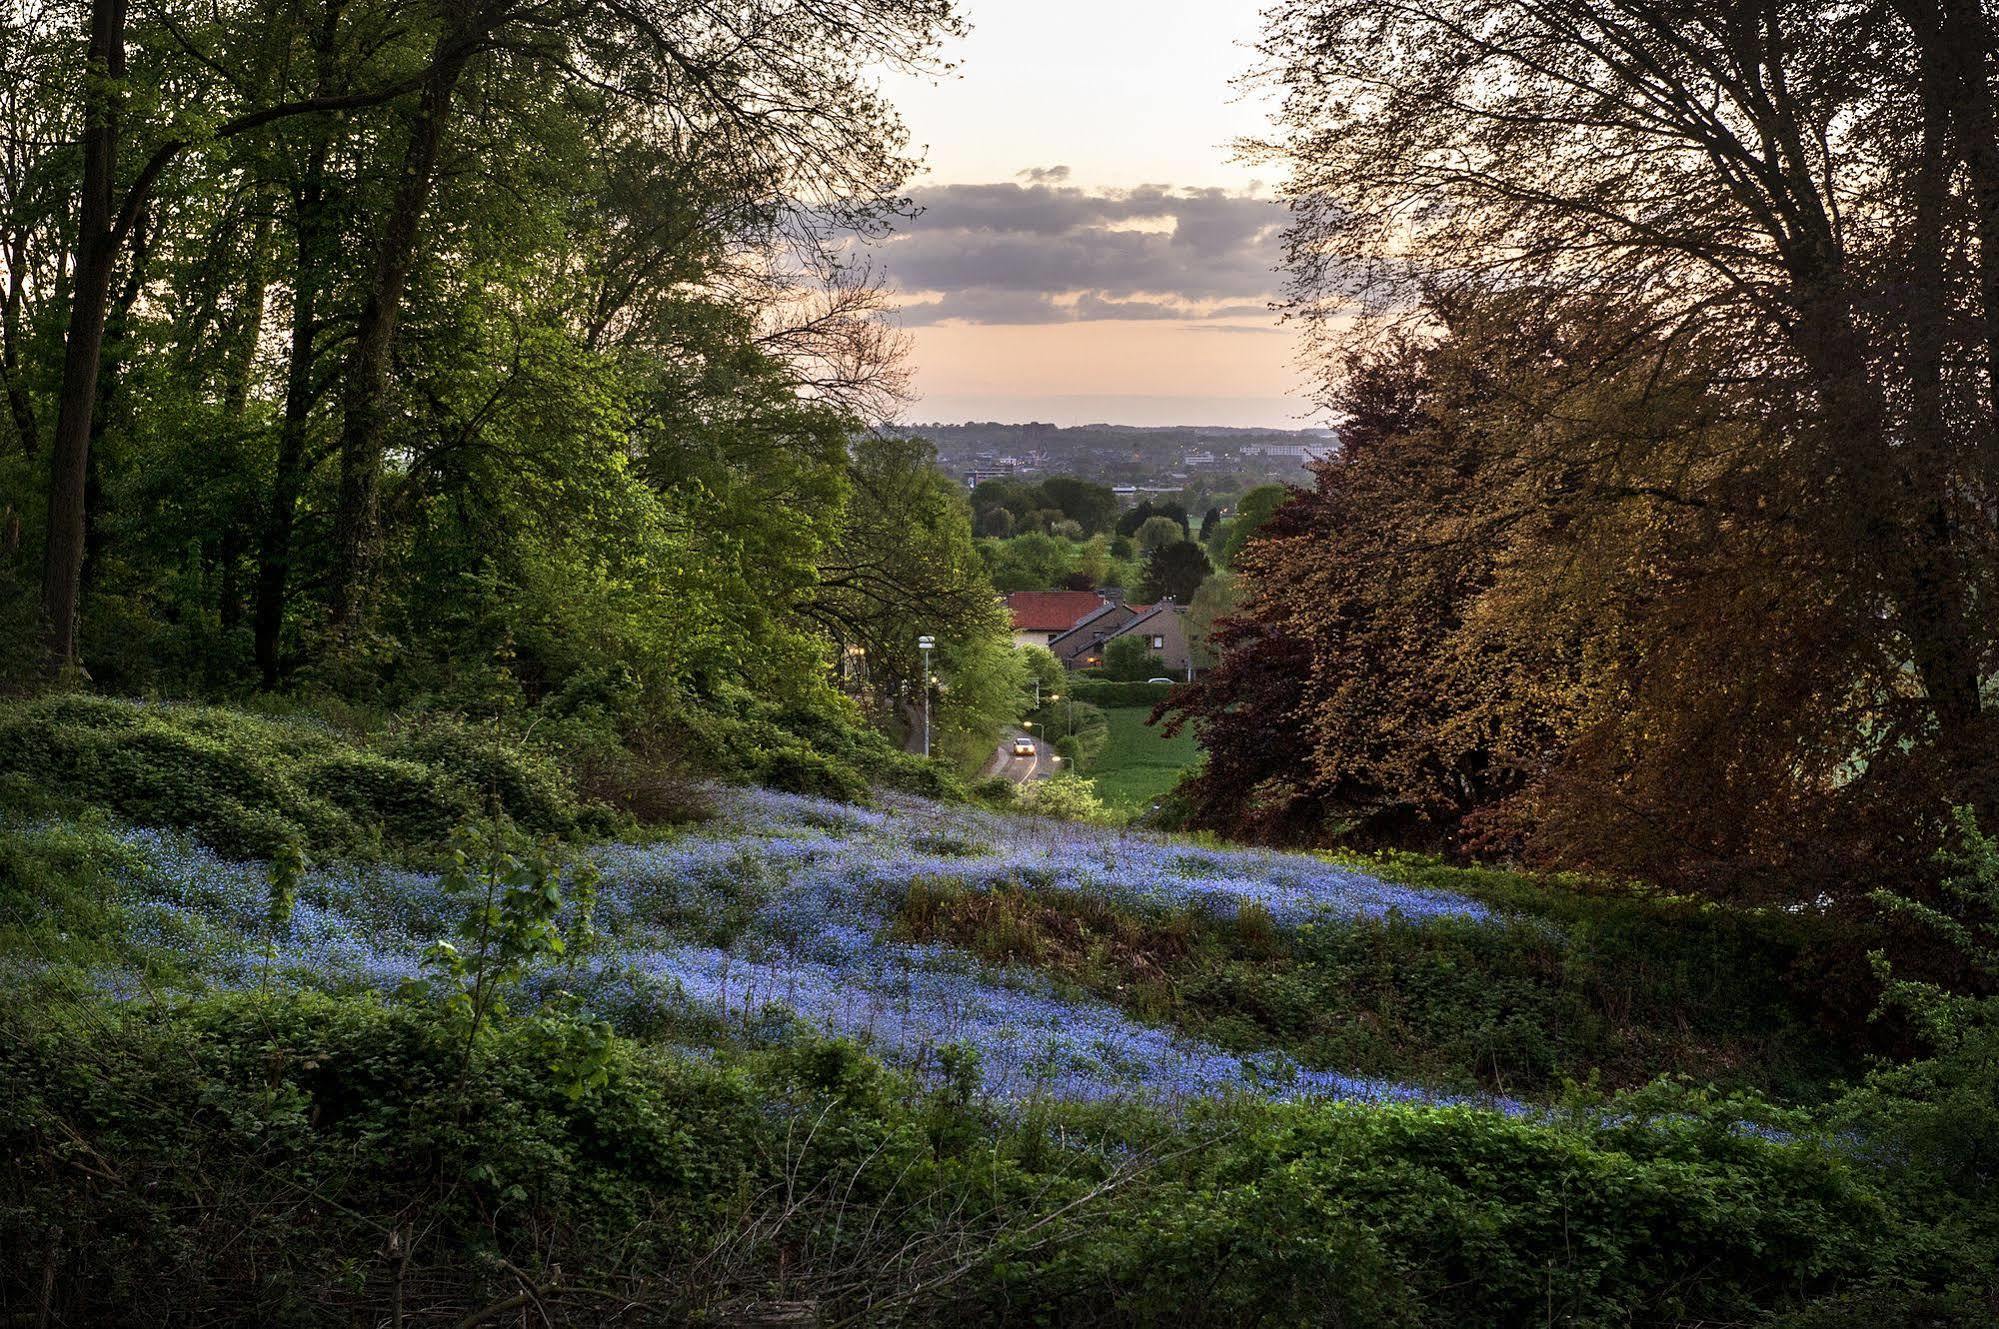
[(1043, 668), (111, 210), (772, 94), (1144, 510), (1492, 622), (1094, 507), (1032, 562), (1251, 515), (1156, 534), (1802, 195), (1175, 572), (1211, 604), (1128, 660)]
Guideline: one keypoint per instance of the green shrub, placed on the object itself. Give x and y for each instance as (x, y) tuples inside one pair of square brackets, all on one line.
[(827, 750), (412, 1174), (504, 777), (412, 803), (800, 770), (59, 891), (1112, 692), (246, 785), (1071, 797)]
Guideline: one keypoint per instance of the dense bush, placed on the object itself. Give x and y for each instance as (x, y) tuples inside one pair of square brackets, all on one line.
[(246, 785), (59, 893), (300, 1160), (824, 749), (1111, 692)]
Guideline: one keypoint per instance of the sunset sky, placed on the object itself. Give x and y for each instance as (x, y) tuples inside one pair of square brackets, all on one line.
[(1087, 249)]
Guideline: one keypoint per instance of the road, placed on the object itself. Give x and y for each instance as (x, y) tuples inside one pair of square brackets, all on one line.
[(1021, 769)]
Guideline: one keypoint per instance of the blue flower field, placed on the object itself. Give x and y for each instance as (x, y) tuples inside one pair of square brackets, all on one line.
[(784, 908)]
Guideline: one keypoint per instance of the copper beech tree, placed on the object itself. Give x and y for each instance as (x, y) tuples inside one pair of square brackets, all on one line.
[(1553, 599), (1718, 559)]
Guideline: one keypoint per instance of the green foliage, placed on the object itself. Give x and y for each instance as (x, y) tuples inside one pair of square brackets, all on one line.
[(820, 745), (1608, 991), (1127, 659), (1041, 562), (1155, 534), (1044, 669), (1078, 729), (59, 891), (1255, 509), (1007, 507), (509, 778), (447, 1183), (903, 565), (249, 786), (1935, 1118), (1175, 571), (1110, 692), (1065, 795)]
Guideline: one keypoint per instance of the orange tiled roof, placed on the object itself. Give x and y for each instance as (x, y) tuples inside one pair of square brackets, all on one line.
[(1051, 611)]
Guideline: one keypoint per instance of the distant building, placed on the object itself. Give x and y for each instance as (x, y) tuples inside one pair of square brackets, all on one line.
[(1039, 617), (1082, 646), (1165, 631), (1302, 453), (991, 470)]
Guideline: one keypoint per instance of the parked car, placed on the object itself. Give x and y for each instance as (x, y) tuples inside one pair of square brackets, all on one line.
[(1023, 747)]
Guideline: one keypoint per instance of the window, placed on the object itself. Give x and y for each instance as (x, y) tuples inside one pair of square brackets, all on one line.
[(1158, 643)]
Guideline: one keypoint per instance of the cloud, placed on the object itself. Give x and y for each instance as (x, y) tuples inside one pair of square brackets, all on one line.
[(1048, 252)]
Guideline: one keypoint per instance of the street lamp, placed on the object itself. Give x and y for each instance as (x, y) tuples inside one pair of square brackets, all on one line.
[(925, 644)]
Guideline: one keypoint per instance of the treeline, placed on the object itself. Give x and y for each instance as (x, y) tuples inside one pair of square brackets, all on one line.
[(1068, 534), (1665, 537), (489, 357)]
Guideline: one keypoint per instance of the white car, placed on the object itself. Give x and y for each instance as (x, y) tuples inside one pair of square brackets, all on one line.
[(1023, 747)]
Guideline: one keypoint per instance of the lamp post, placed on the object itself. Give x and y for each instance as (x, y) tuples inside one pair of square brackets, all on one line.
[(925, 644)]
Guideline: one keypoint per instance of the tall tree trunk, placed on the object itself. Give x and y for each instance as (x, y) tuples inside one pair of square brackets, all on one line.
[(243, 338), (364, 409), (312, 251), (90, 291), (1935, 599), (19, 405), (110, 375), (274, 551), (1963, 50)]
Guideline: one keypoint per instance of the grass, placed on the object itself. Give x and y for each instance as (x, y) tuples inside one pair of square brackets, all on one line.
[(1138, 763)]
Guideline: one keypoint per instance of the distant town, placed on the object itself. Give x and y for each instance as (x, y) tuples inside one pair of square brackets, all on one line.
[(1131, 459)]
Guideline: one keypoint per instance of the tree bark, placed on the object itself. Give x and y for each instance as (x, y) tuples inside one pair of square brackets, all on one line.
[(90, 292), (274, 554), (310, 236), (19, 405), (110, 376), (364, 412)]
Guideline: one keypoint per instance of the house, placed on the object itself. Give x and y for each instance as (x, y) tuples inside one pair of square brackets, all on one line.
[(1039, 617), (1166, 634), (1082, 646)]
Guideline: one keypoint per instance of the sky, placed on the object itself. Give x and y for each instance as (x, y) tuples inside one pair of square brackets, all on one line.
[(1087, 249)]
